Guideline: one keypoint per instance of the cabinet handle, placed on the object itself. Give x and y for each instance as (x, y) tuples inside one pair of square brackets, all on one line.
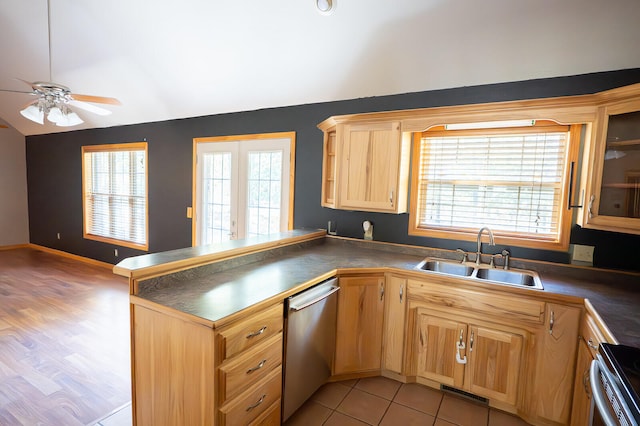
[(551, 321), (591, 200), (257, 367), (391, 197), (401, 291), (471, 342), (256, 333), (381, 291), (459, 347), (260, 401), (592, 345)]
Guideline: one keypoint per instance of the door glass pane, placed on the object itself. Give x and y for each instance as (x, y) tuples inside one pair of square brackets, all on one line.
[(620, 192), (264, 189), (216, 194)]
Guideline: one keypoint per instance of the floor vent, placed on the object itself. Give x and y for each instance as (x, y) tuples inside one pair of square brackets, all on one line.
[(469, 395)]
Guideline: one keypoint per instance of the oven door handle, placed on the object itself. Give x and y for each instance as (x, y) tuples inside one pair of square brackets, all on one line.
[(599, 399)]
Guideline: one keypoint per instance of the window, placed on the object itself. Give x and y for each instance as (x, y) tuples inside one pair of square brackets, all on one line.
[(243, 186), (511, 180), (115, 194)]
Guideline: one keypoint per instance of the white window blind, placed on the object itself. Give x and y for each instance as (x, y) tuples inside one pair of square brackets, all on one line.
[(115, 193), (509, 182)]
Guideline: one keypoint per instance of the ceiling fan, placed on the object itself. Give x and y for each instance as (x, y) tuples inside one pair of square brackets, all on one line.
[(54, 100)]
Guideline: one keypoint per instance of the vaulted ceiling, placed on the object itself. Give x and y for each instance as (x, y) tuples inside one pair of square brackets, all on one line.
[(174, 59)]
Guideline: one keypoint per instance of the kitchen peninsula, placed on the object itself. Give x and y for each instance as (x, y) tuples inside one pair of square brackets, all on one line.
[(194, 309)]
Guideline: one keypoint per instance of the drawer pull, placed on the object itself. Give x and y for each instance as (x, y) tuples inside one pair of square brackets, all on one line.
[(257, 367), (260, 401), (256, 333), (591, 344), (551, 322)]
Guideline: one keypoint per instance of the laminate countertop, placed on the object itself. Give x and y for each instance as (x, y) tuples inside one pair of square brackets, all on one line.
[(221, 289)]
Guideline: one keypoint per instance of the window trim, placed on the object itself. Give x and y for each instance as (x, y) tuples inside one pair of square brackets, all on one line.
[(132, 146), (501, 237)]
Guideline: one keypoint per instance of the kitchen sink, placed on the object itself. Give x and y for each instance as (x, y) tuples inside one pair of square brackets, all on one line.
[(507, 277), (482, 273), (451, 268)]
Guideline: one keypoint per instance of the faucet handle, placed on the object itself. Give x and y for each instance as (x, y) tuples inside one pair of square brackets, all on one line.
[(505, 253), (465, 255), (493, 257)]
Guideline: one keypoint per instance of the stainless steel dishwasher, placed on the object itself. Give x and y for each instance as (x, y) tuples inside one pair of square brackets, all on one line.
[(310, 343)]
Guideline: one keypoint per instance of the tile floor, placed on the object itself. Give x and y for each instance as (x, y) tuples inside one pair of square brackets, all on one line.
[(386, 402)]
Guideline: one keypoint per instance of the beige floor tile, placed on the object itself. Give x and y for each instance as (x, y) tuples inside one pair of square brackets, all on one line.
[(440, 422), (379, 386), (400, 415), (363, 406), (463, 412), (500, 418), (339, 419), (419, 397), (331, 394), (351, 382), (310, 414)]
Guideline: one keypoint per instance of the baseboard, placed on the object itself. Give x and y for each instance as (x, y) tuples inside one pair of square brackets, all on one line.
[(71, 256), (13, 247)]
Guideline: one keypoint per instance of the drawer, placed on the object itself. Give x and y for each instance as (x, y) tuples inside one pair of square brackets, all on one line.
[(249, 405), (250, 332), (269, 417), (477, 301), (248, 367), (591, 334)]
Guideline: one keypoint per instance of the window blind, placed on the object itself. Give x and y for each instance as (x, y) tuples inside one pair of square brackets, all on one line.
[(115, 186), (509, 182)]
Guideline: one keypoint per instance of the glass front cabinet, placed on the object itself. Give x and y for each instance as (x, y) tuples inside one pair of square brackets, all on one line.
[(611, 164)]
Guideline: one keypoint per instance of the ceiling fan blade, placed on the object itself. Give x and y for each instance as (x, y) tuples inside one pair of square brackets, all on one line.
[(2, 126), (95, 99), (17, 91), (88, 107)]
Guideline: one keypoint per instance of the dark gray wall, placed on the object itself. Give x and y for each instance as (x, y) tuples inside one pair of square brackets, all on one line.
[(55, 188)]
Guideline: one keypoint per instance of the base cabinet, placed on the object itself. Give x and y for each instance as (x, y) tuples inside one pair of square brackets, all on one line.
[(394, 324), (476, 358), (360, 320)]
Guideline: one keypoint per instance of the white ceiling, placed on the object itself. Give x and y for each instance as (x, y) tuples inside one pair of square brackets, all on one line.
[(166, 59)]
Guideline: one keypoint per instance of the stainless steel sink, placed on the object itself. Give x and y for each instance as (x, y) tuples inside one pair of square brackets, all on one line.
[(507, 277), (451, 268), (483, 273)]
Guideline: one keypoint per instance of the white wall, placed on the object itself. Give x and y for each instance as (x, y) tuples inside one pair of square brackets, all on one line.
[(14, 214)]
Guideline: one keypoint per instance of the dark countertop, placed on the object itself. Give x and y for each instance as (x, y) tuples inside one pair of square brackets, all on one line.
[(219, 290)]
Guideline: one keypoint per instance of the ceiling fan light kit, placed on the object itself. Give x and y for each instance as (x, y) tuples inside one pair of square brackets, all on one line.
[(52, 102)]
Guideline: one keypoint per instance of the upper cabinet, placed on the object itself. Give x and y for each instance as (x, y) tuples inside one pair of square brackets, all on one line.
[(366, 167), (611, 164)]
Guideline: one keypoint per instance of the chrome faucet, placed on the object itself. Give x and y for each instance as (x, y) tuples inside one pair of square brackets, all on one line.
[(479, 252)]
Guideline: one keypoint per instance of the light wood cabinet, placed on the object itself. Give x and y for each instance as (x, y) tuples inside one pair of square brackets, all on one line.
[(185, 372), (590, 339), (173, 370), (366, 167), (556, 363), (611, 164), (394, 323), (481, 359), (360, 321)]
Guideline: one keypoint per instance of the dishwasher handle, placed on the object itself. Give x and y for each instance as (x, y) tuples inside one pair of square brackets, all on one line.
[(306, 303)]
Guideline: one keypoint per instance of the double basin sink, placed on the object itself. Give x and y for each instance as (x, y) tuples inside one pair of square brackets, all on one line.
[(482, 273)]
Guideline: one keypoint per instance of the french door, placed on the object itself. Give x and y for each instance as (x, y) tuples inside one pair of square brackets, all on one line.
[(242, 189)]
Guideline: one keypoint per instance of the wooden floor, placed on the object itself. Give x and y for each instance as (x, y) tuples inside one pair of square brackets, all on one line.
[(64, 340)]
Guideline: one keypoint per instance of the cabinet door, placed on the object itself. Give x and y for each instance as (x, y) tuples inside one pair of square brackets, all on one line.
[(370, 166), (612, 199), (329, 170), (494, 359), (581, 388), (394, 323), (437, 342), (360, 319), (556, 363)]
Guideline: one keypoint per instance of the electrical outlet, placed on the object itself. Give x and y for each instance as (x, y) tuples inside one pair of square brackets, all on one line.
[(115, 252), (58, 235), (583, 254)]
